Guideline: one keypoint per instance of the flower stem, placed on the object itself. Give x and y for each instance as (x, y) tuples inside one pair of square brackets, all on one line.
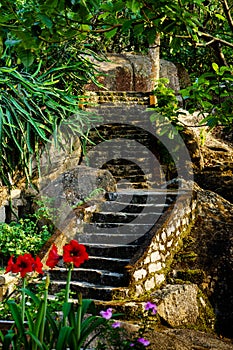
[(67, 293), (79, 315), (23, 298), (42, 328)]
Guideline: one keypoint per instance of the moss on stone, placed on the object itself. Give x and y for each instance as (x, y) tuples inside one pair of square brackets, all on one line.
[(196, 276), (207, 319)]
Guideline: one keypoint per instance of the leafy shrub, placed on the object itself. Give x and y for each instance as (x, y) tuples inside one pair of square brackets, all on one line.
[(211, 94), (23, 236)]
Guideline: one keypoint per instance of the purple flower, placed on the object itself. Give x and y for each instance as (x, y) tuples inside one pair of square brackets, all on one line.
[(131, 345), (143, 341), (116, 325), (151, 306), (106, 314)]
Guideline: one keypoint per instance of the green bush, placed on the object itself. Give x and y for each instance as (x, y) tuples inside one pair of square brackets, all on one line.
[(22, 237), (211, 95)]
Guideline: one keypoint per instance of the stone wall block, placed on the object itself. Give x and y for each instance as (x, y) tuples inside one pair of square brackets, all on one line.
[(2, 214), (140, 274), (155, 256), (169, 243), (138, 290), (163, 236), (15, 194), (155, 267), (150, 283), (178, 304), (159, 279), (142, 70)]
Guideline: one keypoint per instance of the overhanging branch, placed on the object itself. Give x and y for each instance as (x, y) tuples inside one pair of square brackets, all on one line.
[(227, 13)]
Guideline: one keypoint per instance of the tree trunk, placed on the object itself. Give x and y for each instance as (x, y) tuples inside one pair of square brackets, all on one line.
[(154, 55)]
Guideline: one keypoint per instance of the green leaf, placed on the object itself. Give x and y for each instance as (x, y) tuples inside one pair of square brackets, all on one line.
[(18, 320), (220, 17), (88, 305), (134, 5), (40, 317), (89, 325), (45, 20), (126, 25), (26, 57), (152, 35), (66, 309), (111, 33), (8, 339), (36, 340), (12, 42), (63, 337), (215, 67), (138, 29)]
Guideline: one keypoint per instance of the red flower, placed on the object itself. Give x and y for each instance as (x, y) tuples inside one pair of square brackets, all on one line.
[(53, 257), (23, 264), (74, 253), (10, 265), (37, 265)]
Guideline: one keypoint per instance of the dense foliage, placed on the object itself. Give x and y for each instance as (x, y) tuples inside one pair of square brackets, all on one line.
[(32, 28), (24, 236), (46, 49)]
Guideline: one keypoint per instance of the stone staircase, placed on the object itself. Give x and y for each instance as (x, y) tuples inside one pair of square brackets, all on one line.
[(124, 144), (112, 238)]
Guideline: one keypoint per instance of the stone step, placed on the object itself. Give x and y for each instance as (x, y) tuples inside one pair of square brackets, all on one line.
[(100, 277), (109, 147), (123, 218), (117, 206), (142, 196), (122, 97), (111, 113), (140, 181), (118, 131), (103, 263), (111, 250), (134, 228), (108, 238), (90, 290)]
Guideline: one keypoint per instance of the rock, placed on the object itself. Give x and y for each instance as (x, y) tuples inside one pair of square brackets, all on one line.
[(208, 249), (186, 339), (116, 75), (177, 304), (212, 158), (4, 195), (69, 195), (141, 72), (129, 72), (168, 70), (184, 78), (193, 145), (7, 285), (76, 186), (55, 160)]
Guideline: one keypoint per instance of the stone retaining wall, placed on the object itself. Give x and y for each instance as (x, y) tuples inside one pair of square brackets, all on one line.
[(12, 205), (148, 268)]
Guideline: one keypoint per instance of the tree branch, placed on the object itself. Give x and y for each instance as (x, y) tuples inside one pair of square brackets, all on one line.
[(227, 13), (224, 42)]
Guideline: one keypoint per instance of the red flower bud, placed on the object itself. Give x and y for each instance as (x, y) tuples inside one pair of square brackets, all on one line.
[(53, 257)]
